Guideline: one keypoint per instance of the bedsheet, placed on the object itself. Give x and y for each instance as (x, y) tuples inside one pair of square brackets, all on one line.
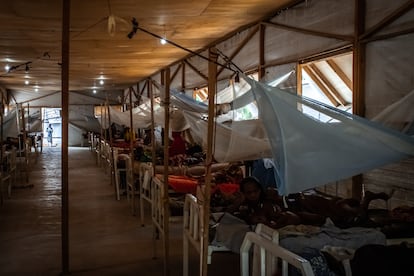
[(230, 232), (329, 234)]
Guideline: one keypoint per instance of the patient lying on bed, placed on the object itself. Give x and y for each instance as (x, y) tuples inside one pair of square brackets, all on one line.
[(344, 213), (253, 207)]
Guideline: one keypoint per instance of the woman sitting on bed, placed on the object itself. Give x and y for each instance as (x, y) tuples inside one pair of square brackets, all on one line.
[(253, 206)]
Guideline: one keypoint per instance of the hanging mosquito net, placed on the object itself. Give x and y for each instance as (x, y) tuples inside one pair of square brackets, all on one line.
[(310, 143), (314, 144)]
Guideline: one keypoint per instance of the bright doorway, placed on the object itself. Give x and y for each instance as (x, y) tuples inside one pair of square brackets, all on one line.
[(52, 127)]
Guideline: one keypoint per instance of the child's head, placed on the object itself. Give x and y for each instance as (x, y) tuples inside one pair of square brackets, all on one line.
[(251, 189)]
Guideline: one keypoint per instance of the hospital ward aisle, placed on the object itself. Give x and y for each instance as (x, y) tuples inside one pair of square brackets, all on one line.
[(104, 238)]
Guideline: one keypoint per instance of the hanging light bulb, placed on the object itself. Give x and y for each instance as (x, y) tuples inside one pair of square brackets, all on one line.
[(163, 41), (101, 79), (26, 82)]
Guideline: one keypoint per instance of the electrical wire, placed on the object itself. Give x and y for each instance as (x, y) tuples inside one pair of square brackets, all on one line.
[(136, 27)]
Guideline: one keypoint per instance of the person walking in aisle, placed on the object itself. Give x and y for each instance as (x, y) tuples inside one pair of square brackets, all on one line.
[(49, 134)]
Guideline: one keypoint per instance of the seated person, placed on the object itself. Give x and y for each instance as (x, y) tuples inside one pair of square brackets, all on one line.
[(147, 137), (129, 135), (178, 145)]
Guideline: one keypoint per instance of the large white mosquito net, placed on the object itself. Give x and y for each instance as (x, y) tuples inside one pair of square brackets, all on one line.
[(314, 144), (141, 115), (310, 143)]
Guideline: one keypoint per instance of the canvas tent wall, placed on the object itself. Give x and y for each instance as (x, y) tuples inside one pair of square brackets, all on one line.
[(10, 127)]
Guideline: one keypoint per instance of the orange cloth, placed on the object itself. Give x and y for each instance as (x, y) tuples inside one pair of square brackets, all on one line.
[(182, 184), (226, 188), (187, 185)]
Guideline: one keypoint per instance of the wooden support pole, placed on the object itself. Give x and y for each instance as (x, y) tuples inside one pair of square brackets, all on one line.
[(165, 199), (153, 144), (358, 101), (262, 61), (109, 123), (299, 89), (65, 123), (102, 118), (212, 87), (1, 134), (131, 151)]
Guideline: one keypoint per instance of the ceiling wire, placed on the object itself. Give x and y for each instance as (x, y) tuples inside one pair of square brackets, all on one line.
[(136, 27), (90, 27), (110, 18)]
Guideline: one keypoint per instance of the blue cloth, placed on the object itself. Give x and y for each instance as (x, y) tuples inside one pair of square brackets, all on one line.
[(263, 170)]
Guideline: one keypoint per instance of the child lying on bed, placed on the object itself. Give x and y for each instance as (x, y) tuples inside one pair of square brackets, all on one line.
[(345, 213), (254, 205)]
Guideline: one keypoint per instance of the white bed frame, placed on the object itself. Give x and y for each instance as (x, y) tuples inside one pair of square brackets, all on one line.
[(158, 210), (192, 234), (265, 251), (193, 229), (158, 213), (146, 172)]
